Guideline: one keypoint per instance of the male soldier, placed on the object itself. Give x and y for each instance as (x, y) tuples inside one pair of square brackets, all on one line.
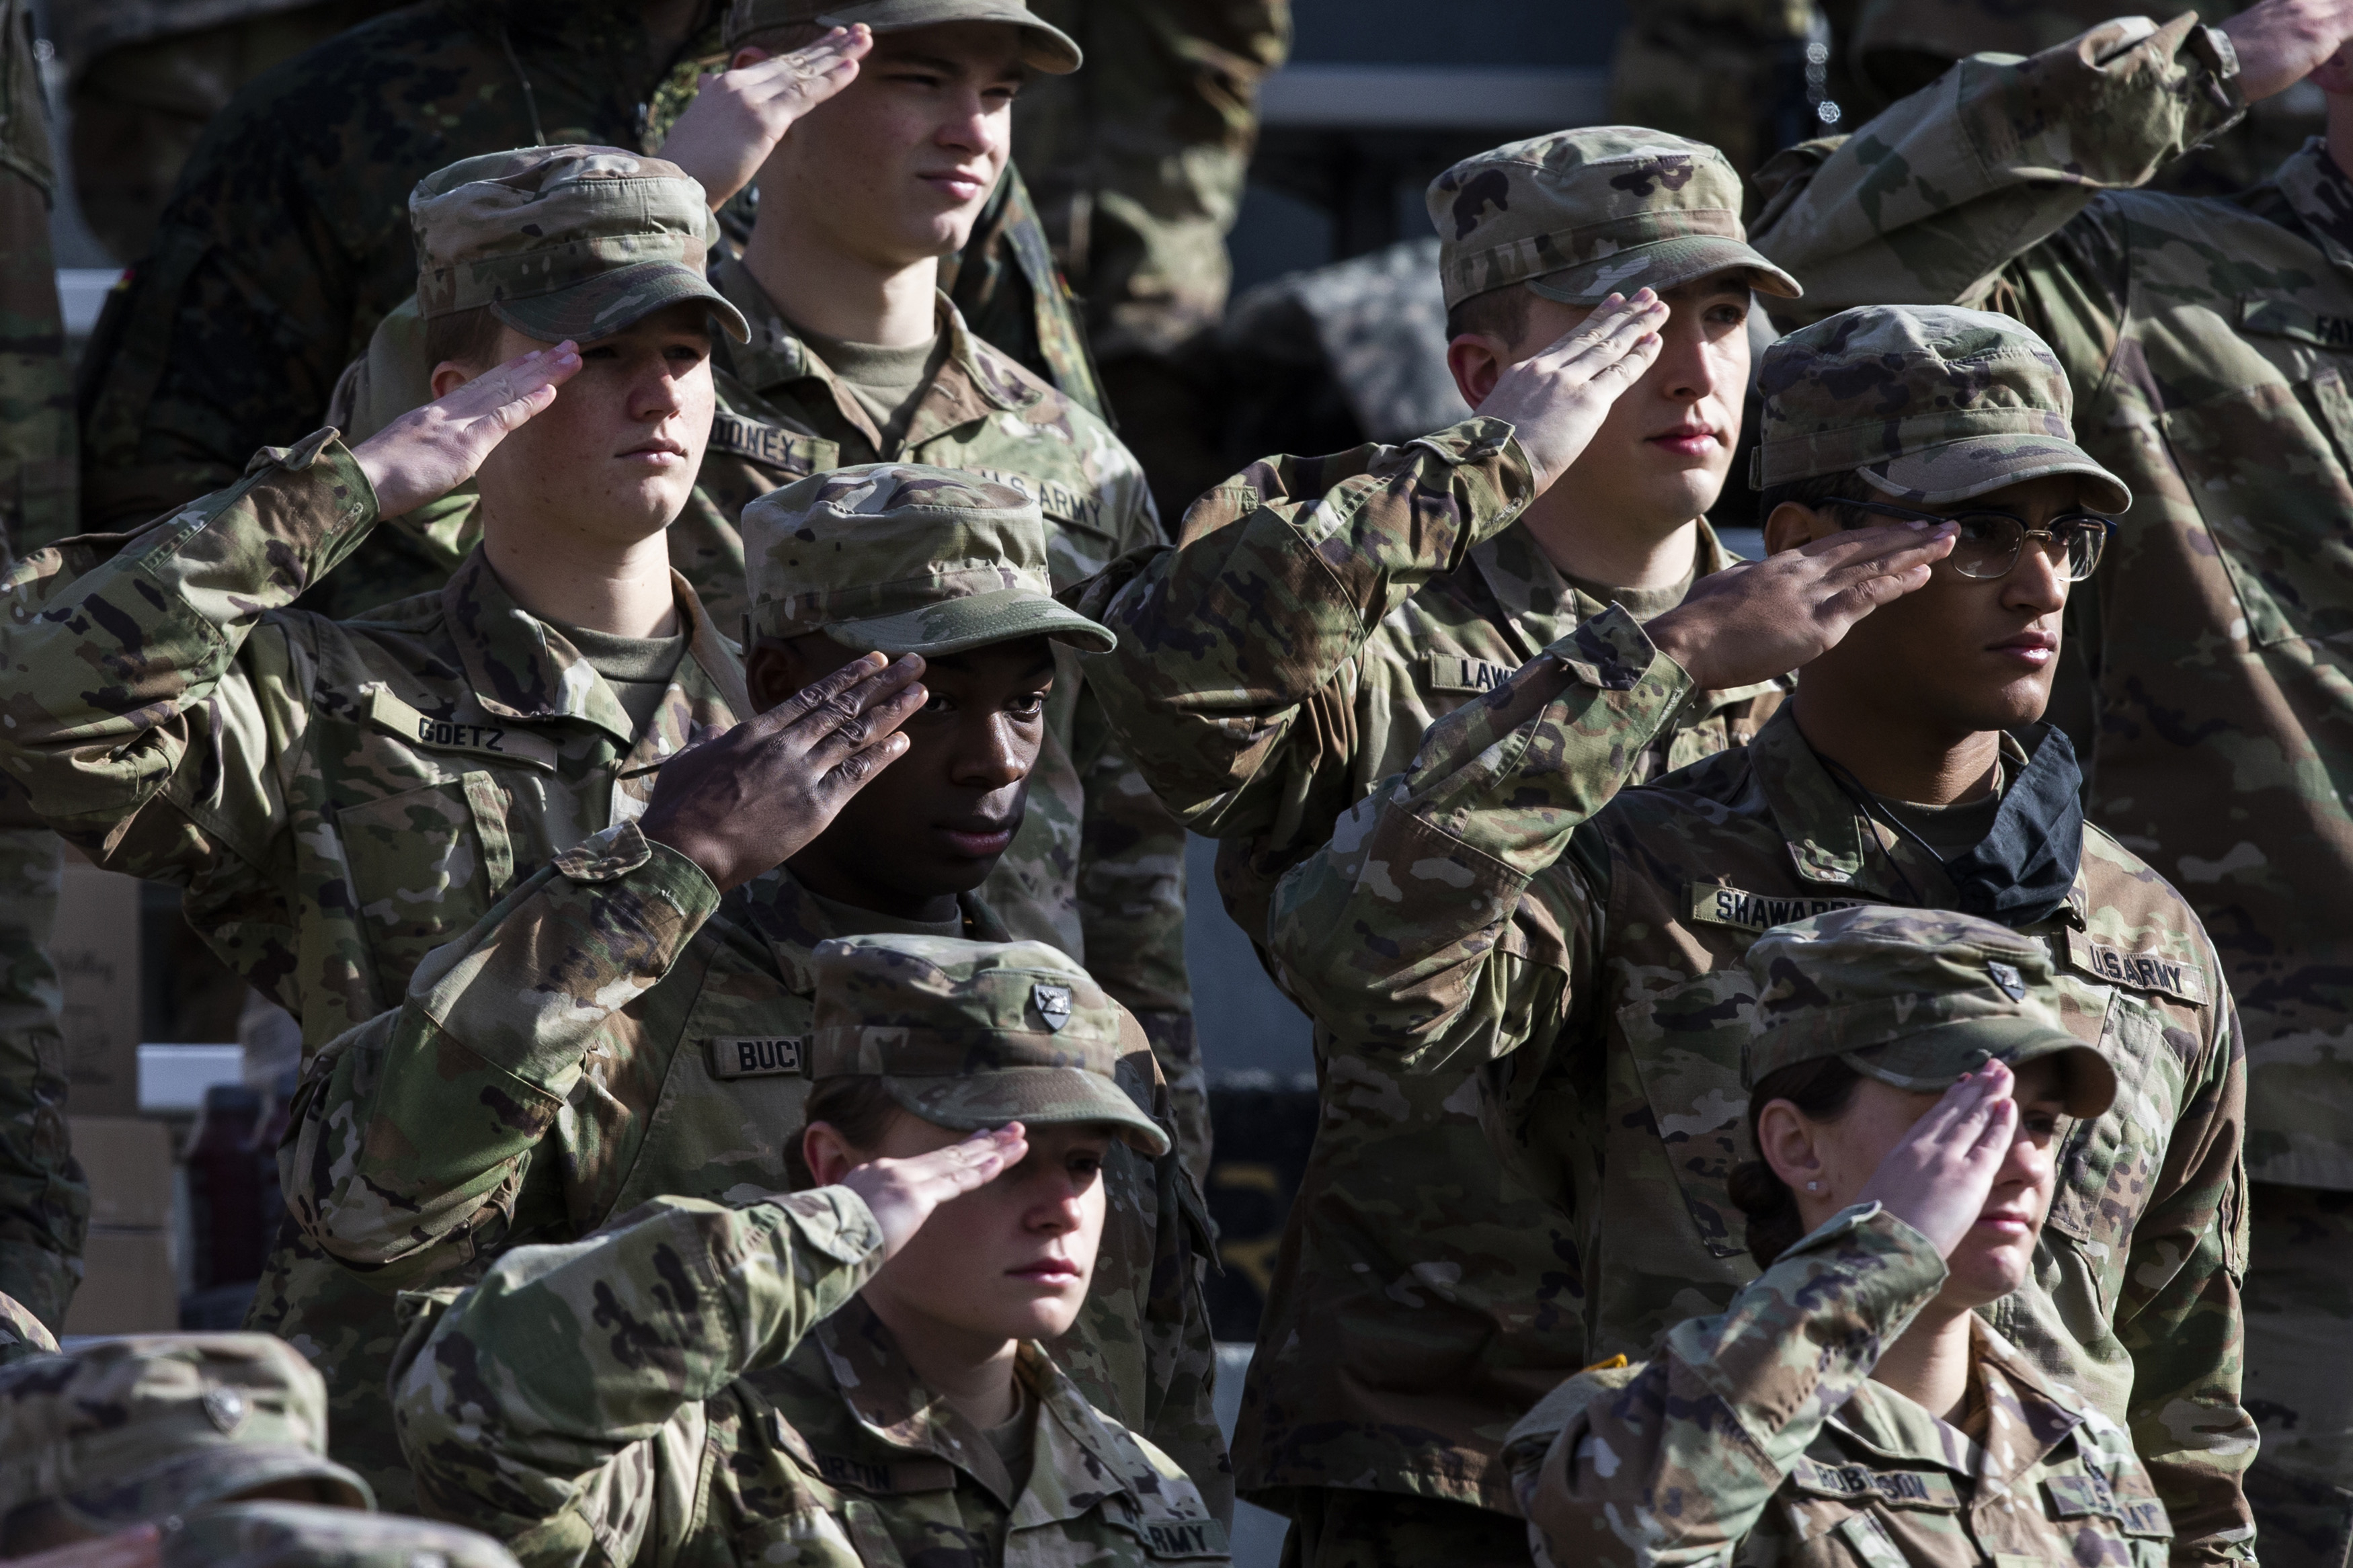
[(339, 798), (632, 1021), (854, 345), (1489, 909), (2210, 339), (280, 250), (44, 1202), (219, 1439), (1290, 653), (825, 1377)]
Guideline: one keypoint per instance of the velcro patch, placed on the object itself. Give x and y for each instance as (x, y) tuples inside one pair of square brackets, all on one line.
[(2138, 970), (1896, 1489), (2089, 1496), (1183, 1537), (1056, 500), (900, 1476), (2273, 317), (1459, 672), (1714, 904), (776, 448), (756, 1056), (389, 713)]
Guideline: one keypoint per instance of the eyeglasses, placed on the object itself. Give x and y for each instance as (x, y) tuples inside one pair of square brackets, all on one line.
[(1989, 542)]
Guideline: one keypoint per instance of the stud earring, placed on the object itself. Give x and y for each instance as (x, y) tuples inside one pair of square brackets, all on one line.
[(1813, 1187)]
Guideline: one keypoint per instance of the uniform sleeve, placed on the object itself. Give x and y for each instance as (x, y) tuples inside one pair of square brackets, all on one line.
[(563, 1395), (1931, 201), (2178, 1312), (412, 1133), (144, 717), (44, 1196), (1227, 640), (1672, 1461), (1417, 931)]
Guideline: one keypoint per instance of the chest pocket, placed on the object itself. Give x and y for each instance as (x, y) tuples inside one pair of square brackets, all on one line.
[(2266, 465), (424, 866), (1685, 1046), (810, 1538), (2108, 1166)]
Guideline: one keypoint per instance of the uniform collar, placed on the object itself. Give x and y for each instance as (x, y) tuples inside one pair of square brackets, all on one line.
[(975, 380), (2319, 193), (522, 667), (794, 922), (2028, 1419), (889, 1404)]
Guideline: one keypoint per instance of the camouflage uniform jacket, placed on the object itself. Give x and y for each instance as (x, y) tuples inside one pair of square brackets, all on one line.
[(613, 1031), (752, 1414), (1097, 868), (1289, 654), (1505, 903), (1729, 1446), (2209, 341), (337, 798)]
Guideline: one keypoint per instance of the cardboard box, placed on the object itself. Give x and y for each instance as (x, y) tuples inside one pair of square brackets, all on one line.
[(129, 1164), (95, 950), (128, 1286)]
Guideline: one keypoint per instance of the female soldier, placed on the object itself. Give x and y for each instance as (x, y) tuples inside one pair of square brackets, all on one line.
[(1851, 1406), (823, 1378)]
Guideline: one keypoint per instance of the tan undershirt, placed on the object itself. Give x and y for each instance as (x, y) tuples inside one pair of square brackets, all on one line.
[(887, 382)]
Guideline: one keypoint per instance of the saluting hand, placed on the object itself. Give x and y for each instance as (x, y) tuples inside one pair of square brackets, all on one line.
[(2281, 42), (140, 1546), (738, 116), (903, 1193), (1556, 399), (428, 452), (751, 799), (1763, 618), (1937, 1178)]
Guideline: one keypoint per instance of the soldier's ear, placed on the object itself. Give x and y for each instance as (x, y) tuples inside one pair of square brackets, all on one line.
[(827, 1153), (1786, 1143), (1477, 361), (1793, 526), (775, 670), (749, 55)]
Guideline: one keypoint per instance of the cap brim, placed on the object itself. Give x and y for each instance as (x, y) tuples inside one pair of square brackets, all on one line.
[(1662, 265), (1934, 1059), (953, 626), (615, 301), (1036, 1097), (1049, 49), (1978, 465), (208, 1474)]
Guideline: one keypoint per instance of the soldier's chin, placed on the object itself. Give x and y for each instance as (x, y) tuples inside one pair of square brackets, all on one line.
[(1984, 1269)]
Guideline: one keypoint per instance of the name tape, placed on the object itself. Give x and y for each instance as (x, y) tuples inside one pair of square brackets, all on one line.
[(391, 714), (1714, 904), (793, 454), (755, 1055), (1459, 672)]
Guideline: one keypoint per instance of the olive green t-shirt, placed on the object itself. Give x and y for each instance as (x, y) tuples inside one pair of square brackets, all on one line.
[(1952, 831), (638, 669), (868, 922), (887, 382)]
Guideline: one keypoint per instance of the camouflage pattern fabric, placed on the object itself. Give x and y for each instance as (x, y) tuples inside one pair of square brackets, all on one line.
[(296, 240), (968, 1034), (300, 1535), (36, 434), (1138, 161), (44, 1195), (1759, 1434), (1097, 868), (1339, 1527), (2297, 1302), (498, 1106), (1321, 613), (1730, 73), (1046, 48), (2200, 335), (1506, 909), (21, 1333), (143, 1427), (1579, 215), (756, 1412)]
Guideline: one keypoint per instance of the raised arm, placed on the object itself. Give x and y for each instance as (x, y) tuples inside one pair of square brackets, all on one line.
[(1928, 202), (553, 1396), (412, 1133)]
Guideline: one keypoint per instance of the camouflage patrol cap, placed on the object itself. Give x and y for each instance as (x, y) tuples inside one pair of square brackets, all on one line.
[(148, 1426), (1579, 215), (899, 558), (975, 1033), (1913, 998), (1931, 404), (1049, 49), (564, 242), (298, 1535)]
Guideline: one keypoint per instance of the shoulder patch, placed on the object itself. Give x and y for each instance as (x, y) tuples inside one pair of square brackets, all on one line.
[(504, 741), (1461, 673), (762, 1055), (1715, 904), (2138, 970), (771, 446), (900, 1476)]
